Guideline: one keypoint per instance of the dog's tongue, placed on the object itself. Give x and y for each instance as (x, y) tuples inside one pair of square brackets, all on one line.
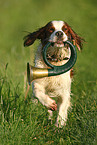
[(59, 44)]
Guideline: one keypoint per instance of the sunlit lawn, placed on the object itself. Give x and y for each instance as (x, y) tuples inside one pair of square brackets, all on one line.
[(24, 122)]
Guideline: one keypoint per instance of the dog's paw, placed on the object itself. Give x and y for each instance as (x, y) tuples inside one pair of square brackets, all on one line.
[(49, 103), (52, 105)]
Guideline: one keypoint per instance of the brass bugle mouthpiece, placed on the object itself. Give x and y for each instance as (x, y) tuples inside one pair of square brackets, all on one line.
[(36, 73)]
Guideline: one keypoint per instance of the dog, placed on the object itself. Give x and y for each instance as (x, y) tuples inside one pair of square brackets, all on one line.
[(48, 88)]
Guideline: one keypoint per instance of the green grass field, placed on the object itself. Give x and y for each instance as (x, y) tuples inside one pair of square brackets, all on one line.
[(24, 122)]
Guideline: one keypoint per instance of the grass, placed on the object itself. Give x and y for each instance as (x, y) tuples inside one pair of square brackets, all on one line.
[(24, 122)]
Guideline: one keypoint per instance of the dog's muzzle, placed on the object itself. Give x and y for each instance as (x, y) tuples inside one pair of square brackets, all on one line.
[(36, 73)]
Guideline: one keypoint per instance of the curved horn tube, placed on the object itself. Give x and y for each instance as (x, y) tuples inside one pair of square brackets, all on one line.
[(35, 73)]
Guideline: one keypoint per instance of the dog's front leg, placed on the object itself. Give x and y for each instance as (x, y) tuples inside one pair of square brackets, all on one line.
[(39, 90)]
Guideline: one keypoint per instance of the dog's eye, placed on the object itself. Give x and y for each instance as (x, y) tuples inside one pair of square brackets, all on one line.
[(64, 28), (51, 30)]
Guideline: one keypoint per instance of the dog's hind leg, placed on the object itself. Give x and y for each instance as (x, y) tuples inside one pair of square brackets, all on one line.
[(63, 110), (50, 115)]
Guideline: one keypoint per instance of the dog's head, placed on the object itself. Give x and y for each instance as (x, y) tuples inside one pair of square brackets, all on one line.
[(56, 32)]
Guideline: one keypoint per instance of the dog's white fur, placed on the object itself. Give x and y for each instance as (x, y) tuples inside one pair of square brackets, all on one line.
[(45, 89)]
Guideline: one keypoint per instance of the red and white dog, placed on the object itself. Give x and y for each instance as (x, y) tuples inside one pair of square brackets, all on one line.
[(55, 86)]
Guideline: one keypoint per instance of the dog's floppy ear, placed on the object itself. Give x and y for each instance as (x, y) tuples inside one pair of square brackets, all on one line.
[(31, 37), (78, 41)]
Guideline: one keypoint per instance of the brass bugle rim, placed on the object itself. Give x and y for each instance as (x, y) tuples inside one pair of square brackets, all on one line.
[(35, 73), (28, 73)]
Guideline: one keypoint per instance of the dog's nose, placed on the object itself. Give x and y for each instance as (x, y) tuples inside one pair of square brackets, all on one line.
[(59, 33)]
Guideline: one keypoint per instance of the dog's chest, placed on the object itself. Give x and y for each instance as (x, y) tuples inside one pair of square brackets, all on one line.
[(58, 82), (55, 83)]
